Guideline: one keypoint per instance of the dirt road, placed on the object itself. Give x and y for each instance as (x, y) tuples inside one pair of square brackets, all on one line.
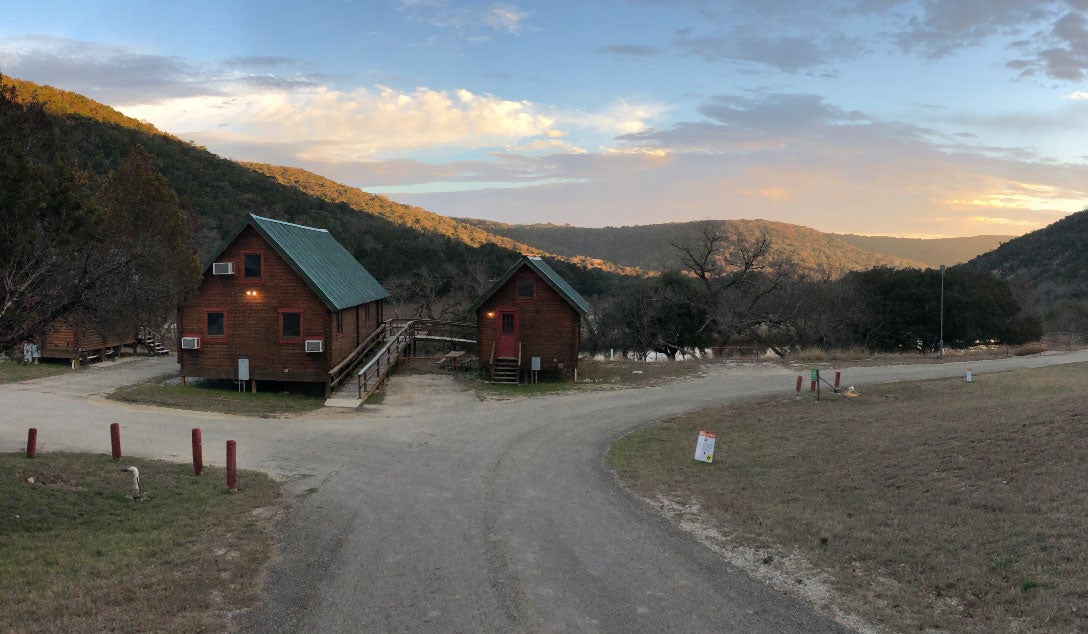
[(457, 515)]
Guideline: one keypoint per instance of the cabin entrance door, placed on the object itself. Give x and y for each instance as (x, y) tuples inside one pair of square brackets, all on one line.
[(506, 341)]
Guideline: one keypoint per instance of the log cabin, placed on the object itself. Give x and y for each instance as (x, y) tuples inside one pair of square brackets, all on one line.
[(279, 302), (77, 341), (529, 312)]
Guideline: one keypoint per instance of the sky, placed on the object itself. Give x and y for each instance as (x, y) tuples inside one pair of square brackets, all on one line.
[(916, 118)]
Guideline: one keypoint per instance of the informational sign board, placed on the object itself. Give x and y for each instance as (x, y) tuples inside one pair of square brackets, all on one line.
[(535, 364), (243, 369), (704, 449), (815, 374)]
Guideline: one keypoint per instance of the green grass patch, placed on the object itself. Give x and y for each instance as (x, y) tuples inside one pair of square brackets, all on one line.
[(934, 505), (272, 399), (12, 372), (77, 554)]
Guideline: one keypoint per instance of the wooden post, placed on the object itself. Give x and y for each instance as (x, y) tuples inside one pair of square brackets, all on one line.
[(232, 465), (31, 442), (253, 386), (115, 440), (198, 457), (799, 383)]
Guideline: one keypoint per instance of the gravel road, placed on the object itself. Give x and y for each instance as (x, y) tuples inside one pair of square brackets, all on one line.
[(455, 515)]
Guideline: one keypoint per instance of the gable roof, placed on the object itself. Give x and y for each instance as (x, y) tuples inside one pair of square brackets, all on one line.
[(558, 284), (322, 262)]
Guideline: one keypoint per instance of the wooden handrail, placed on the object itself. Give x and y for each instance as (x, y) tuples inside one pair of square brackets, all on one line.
[(374, 370), (352, 358)]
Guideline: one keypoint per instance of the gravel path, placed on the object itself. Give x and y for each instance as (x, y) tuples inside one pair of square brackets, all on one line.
[(449, 514)]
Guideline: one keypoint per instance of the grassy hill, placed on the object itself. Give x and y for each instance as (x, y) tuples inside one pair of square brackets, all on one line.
[(1052, 260), (931, 252), (648, 246)]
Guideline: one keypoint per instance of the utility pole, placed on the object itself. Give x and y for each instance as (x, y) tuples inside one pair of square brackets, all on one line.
[(940, 341)]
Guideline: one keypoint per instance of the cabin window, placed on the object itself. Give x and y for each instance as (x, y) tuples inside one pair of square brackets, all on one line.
[(216, 322), (507, 324), (525, 288), (290, 325), (251, 266), (339, 322)]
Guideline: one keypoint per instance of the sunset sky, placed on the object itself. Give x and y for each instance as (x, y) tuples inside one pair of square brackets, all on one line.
[(912, 118)]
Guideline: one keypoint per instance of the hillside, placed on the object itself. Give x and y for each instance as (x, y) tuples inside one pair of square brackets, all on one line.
[(648, 246), (415, 217), (1052, 260), (931, 252), (218, 192)]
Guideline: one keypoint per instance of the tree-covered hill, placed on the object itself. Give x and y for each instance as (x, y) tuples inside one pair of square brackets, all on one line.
[(1053, 261), (650, 246)]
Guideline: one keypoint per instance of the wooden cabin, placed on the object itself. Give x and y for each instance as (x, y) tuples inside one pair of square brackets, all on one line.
[(280, 302), (530, 312), (70, 338)]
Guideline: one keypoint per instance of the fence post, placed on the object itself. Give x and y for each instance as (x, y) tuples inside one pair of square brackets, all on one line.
[(198, 458), (232, 465), (115, 440)]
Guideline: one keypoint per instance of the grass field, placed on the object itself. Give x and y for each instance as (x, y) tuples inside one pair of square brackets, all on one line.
[(224, 397), (937, 505), (77, 554), (11, 371)]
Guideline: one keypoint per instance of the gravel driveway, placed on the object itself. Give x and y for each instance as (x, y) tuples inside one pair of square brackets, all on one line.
[(471, 516)]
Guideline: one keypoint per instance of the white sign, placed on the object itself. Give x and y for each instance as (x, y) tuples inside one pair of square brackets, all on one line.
[(704, 449)]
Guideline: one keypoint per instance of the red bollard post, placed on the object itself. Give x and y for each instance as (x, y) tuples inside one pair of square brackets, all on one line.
[(812, 388), (31, 442), (198, 457), (838, 375), (798, 384), (115, 440), (232, 465)]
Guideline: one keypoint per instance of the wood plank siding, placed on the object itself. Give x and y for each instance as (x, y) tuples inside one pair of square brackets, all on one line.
[(253, 310)]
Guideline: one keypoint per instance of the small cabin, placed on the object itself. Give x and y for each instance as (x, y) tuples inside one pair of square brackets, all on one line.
[(74, 339), (279, 302), (530, 319)]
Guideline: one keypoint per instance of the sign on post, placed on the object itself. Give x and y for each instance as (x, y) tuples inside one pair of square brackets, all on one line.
[(704, 449)]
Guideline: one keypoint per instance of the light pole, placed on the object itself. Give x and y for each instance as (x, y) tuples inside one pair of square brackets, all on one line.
[(940, 342)]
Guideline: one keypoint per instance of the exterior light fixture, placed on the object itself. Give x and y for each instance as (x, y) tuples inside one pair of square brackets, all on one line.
[(490, 314), (251, 293)]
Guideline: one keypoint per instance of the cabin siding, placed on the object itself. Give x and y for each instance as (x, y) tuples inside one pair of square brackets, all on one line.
[(253, 322), (65, 341), (548, 326)]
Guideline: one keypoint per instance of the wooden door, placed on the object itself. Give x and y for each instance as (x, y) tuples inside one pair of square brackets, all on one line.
[(506, 342)]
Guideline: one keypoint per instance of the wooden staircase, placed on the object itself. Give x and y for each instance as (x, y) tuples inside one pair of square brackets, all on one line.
[(152, 342), (504, 371)]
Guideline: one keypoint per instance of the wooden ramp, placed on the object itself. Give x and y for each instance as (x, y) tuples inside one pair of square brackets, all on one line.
[(384, 352)]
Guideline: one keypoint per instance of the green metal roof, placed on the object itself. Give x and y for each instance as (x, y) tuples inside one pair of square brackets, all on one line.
[(326, 266), (553, 279)]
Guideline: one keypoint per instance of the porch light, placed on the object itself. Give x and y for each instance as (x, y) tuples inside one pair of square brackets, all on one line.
[(251, 293), (490, 314)]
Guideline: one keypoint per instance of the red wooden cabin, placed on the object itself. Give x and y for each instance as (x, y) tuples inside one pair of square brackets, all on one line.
[(529, 312), (288, 299), (71, 339)]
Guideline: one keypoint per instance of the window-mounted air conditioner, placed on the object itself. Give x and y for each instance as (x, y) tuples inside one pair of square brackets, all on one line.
[(315, 345), (190, 343), (223, 268)]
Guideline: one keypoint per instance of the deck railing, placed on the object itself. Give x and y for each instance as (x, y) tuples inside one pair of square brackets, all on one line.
[(371, 374), (343, 369)]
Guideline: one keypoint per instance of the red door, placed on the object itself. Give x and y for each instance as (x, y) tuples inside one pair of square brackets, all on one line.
[(506, 344)]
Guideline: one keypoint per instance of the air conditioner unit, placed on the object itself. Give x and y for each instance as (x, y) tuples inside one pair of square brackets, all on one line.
[(315, 345), (190, 343), (223, 268)]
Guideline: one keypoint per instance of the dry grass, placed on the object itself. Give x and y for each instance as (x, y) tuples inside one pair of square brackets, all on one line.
[(939, 505), (78, 555), (11, 371), (273, 398)]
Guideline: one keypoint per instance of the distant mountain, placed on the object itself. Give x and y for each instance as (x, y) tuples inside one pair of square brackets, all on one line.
[(1052, 260), (416, 217), (649, 246), (932, 252)]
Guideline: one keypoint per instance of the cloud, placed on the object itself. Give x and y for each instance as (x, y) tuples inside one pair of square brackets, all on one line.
[(109, 73), (337, 126), (259, 61), (468, 18), (629, 50)]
